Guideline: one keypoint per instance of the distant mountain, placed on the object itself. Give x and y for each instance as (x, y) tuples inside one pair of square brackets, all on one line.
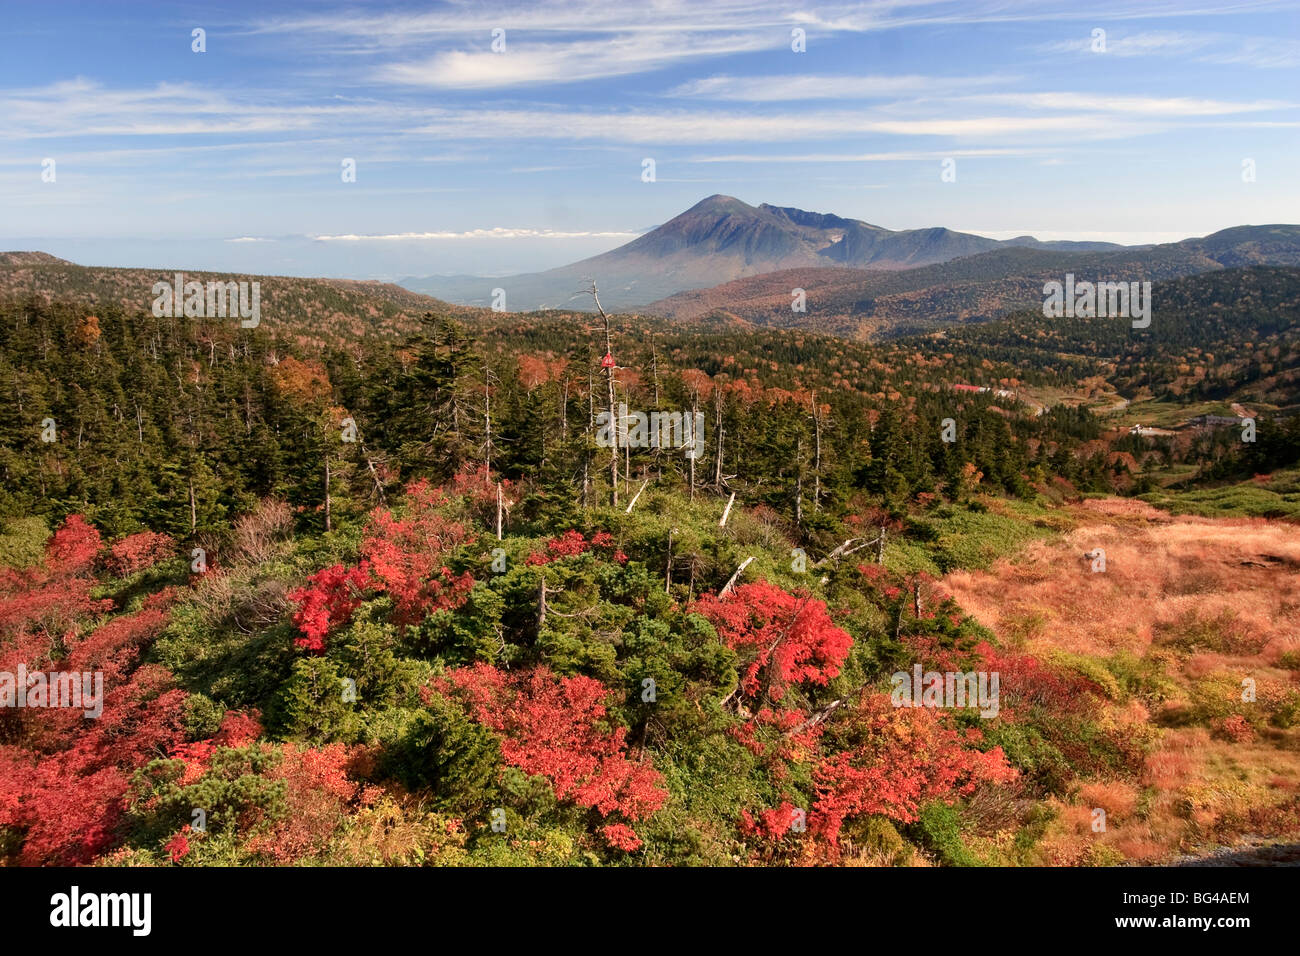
[(864, 303), (30, 259), (307, 309), (720, 239)]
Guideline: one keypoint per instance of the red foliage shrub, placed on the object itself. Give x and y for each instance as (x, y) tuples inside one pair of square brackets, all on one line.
[(793, 635), (319, 794), (568, 545), (114, 647), (179, 845), (553, 726), (406, 555), (572, 543), (1235, 728), (621, 836), (67, 803), (72, 549), (1028, 682), (771, 824), (51, 608), (902, 758), (64, 775), (138, 551), (327, 600)]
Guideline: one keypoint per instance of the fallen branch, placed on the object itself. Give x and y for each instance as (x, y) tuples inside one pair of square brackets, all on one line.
[(844, 550), (731, 583)]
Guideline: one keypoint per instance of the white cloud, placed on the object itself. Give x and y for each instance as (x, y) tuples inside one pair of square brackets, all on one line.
[(1223, 48), (1263, 52), (83, 108), (899, 156), (762, 89), (569, 62), (1151, 43), (497, 232), (1135, 105), (692, 127)]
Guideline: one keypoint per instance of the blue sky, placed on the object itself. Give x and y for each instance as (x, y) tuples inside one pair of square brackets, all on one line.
[(490, 163)]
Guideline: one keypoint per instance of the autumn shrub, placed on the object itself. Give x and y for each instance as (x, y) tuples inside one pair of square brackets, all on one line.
[(1223, 633), (262, 534), (937, 828), (787, 639), (22, 541), (555, 728), (880, 835), (138, 551), (893, 761), (1044, 767), (398, 831), (1145, 677)]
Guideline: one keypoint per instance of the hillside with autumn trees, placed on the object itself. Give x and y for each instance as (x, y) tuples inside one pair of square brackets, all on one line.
[(389, 601)]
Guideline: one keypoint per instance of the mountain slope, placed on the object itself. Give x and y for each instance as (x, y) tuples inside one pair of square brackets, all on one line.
[(721, 238), (862, 303), (321, 309)]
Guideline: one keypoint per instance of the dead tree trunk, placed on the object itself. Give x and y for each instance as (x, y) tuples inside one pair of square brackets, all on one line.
[(632, 504), (327, 493), (615, 424), (717, 437), (798, 487), (668, 564), (817, 454), (499, 509), (727, 510), (731, 582)]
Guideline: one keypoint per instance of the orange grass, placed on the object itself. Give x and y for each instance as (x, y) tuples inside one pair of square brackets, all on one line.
[(1207, 603)]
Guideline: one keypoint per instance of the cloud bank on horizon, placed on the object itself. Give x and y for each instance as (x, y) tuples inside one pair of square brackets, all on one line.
[(497, 138)]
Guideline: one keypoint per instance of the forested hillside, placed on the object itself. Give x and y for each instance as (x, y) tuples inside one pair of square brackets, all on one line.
[(391, 601), (310, 311), (869, 304)]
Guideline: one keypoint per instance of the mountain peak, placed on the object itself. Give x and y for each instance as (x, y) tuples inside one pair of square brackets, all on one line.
[(720, 204)]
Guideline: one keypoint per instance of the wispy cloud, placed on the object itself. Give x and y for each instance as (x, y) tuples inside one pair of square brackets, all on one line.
[(497, 232), (767, 89), (693, 127), (1202, 47), (897, 156), (1129, 105), (577, 61), (81, 107)]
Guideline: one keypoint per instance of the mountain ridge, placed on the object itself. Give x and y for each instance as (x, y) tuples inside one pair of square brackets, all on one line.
[(862, 303), (719, 239)]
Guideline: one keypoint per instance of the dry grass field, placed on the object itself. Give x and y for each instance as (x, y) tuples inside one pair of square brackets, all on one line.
[(1189, 616)]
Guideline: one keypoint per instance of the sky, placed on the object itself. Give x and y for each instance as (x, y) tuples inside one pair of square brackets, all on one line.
[(1124, 120)]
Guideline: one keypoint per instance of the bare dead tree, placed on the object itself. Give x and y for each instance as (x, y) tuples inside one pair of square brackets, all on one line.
[(817, 453), (609, 365)]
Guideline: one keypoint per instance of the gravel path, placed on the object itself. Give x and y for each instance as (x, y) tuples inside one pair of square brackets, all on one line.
[(1273, 855)]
